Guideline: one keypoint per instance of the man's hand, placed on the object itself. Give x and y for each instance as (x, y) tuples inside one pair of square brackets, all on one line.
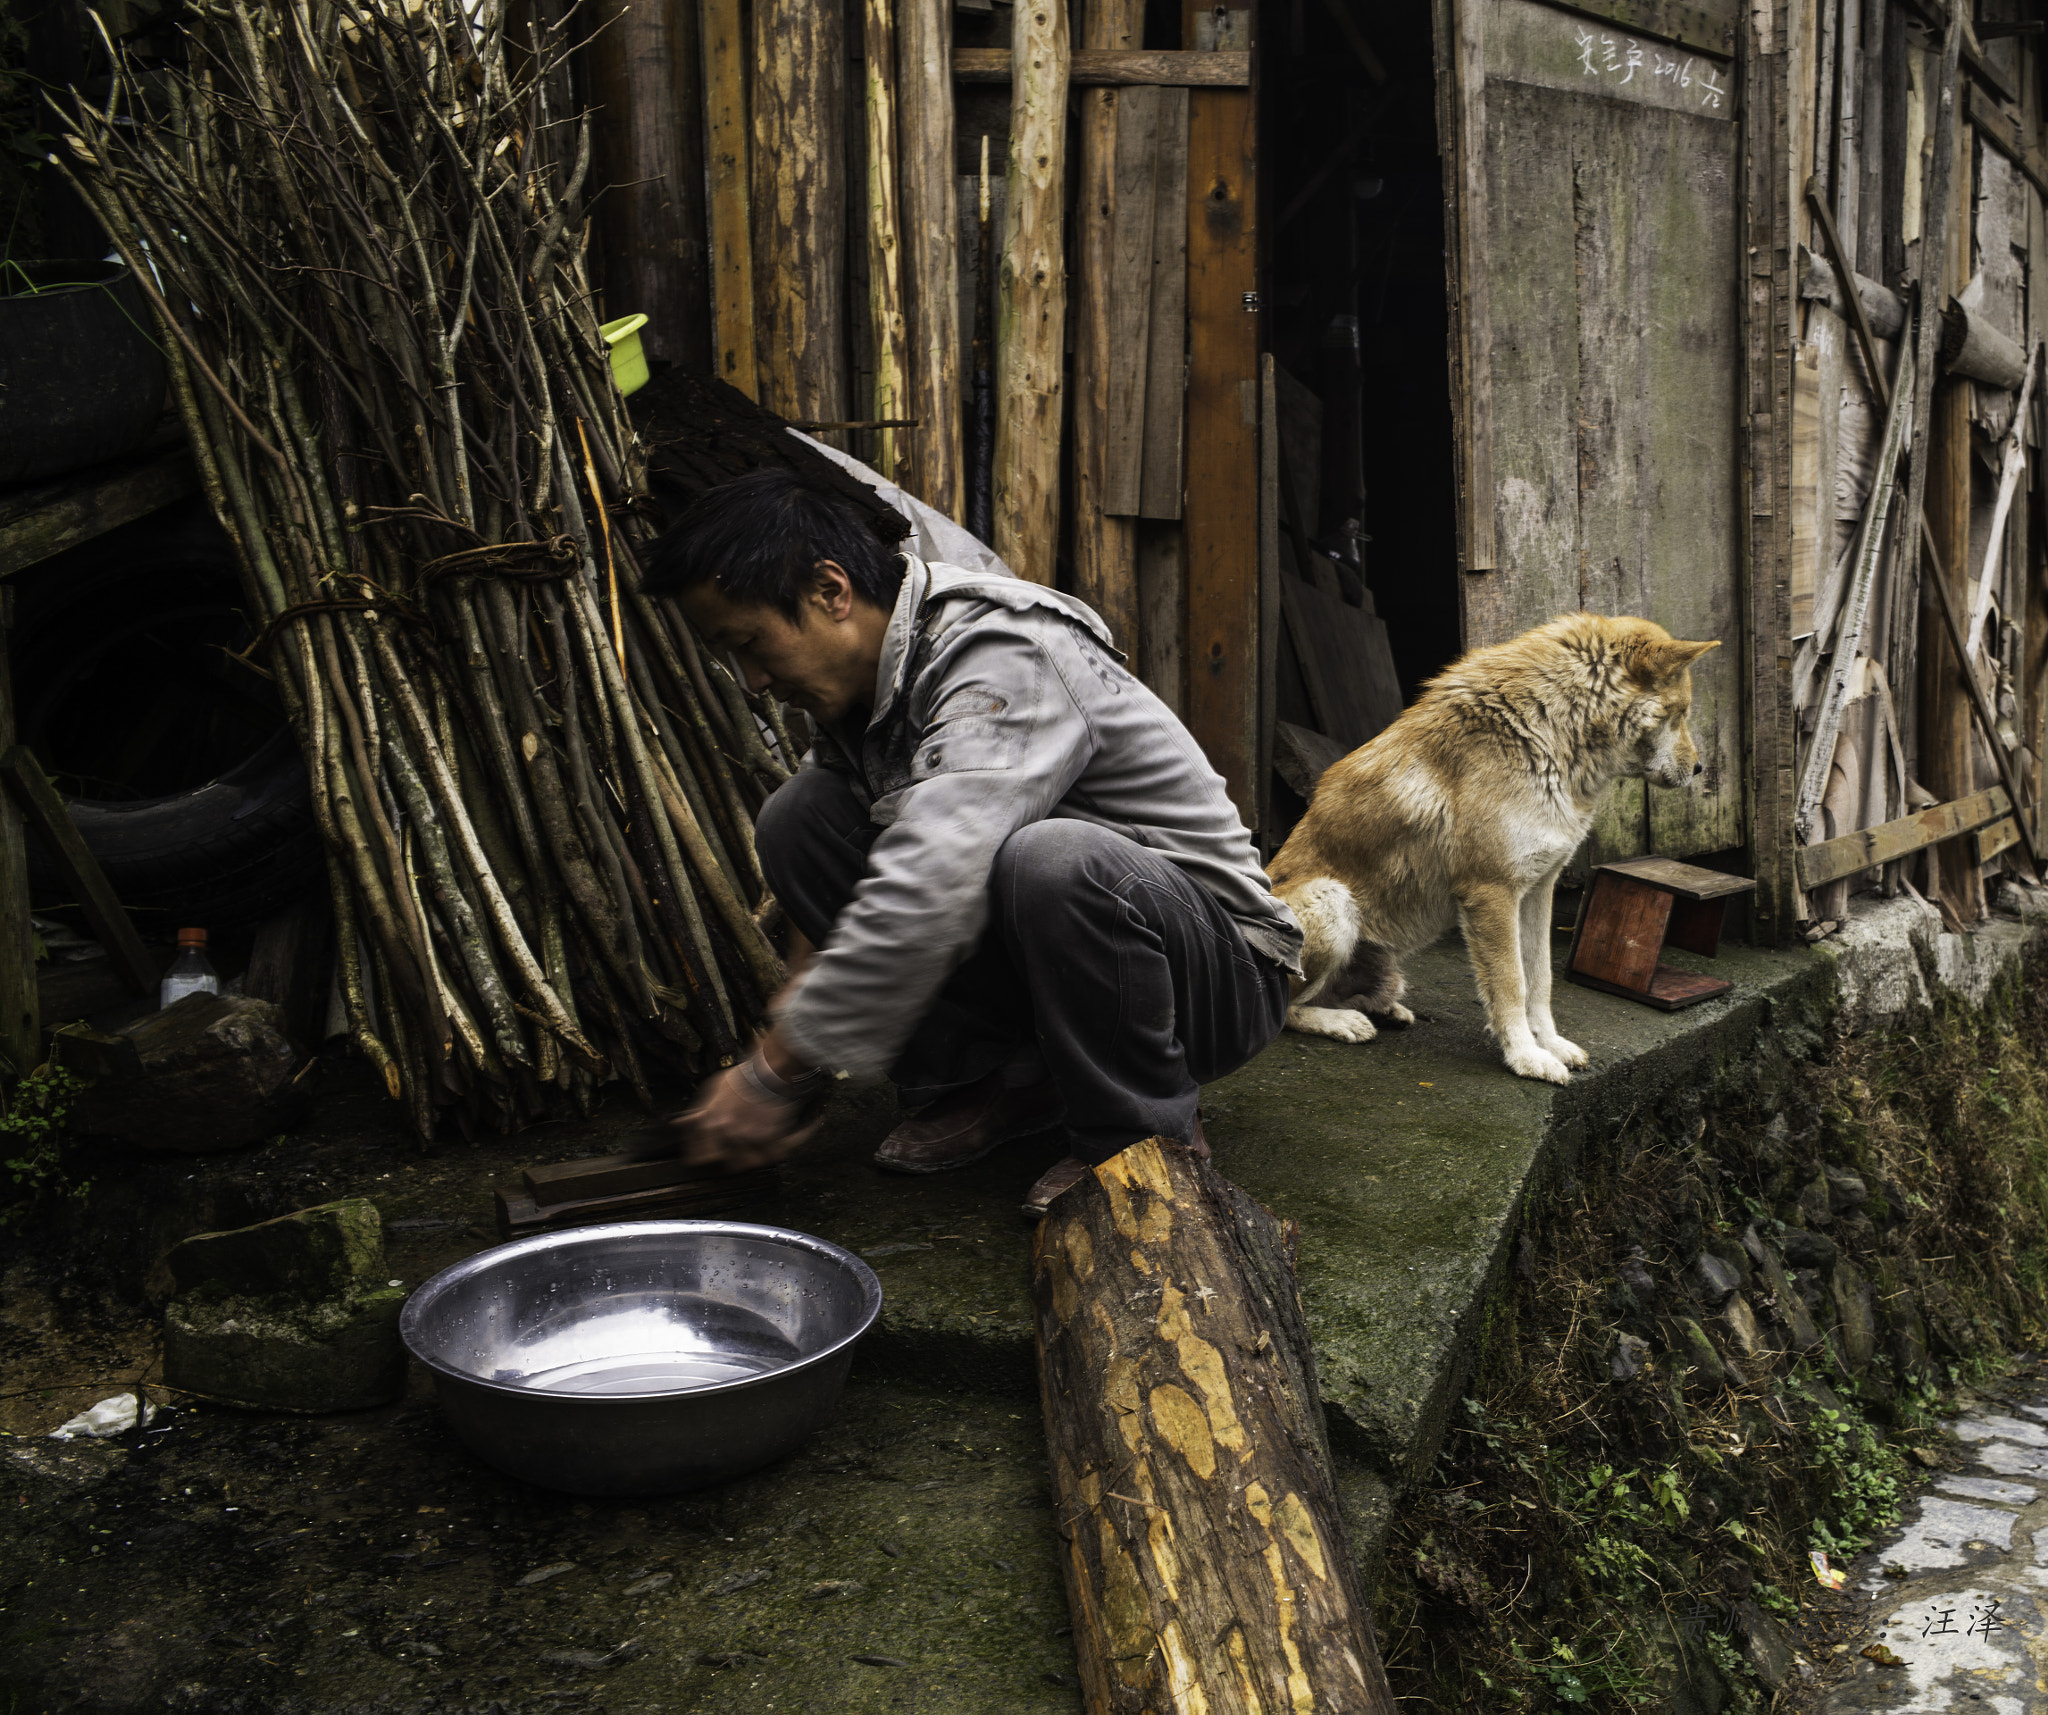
[(737, 1123)]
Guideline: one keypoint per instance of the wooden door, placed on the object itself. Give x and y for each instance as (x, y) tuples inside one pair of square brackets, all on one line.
[(1599, 359)]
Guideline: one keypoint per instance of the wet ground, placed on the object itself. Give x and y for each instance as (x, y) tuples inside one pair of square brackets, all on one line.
[(237, 1561), (300, 1575), (228, 1561), (1949, 1609)]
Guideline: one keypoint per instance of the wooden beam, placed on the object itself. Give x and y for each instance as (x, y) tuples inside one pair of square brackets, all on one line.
[(52, 822), (1866, 848), (889, 328), (1130, 346), (645, 82), (1935, 15), (1987, 843), (1945, 764), (1032, 299), (933, 460), (728, 217), (799, 208), (1113, 66), (38, 522), (2003, 130), (1930, 549), (1221, 519)]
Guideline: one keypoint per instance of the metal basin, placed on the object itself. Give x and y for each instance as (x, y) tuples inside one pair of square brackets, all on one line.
[(644, 1357)]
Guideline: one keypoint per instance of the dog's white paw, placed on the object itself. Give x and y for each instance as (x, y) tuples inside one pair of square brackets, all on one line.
[(1395, 1013), (1534, 1062), (1569, 1052), (1338, 1022)]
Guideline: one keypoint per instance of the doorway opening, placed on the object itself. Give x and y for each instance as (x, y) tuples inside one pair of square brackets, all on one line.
[(1359, 337)]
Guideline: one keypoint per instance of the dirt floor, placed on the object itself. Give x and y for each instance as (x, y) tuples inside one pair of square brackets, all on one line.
[(236, 1561)]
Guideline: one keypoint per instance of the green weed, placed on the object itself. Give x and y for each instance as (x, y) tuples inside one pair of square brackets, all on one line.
[(34, 1124)]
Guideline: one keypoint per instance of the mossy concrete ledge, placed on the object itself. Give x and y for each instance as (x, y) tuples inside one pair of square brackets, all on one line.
[(1408, 1162)]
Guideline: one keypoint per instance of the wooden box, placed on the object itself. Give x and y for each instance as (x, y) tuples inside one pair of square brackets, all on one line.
[(1634, 910)]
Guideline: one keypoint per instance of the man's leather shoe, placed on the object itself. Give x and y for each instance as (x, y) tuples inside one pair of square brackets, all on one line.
[(965, 1124), (1060, 1176), (1064, 1175)]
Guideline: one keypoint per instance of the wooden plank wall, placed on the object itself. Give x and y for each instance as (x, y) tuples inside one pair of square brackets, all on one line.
[(1862, 88), (1611, 387), (830, 232)]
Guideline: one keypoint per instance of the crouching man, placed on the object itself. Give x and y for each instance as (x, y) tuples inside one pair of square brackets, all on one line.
[(1017, 885)]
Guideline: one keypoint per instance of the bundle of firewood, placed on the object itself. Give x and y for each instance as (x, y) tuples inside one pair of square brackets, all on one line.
[(360, 223)]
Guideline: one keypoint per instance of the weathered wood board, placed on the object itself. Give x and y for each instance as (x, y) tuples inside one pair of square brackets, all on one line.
[(1611, 184), (799, 209), (1868, 847), (1221, 516), (1166, 363)]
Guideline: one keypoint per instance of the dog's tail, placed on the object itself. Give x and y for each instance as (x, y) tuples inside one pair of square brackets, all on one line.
[(1329, 929)]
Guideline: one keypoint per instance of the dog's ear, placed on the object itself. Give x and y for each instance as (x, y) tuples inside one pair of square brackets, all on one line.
[(1660, 662)]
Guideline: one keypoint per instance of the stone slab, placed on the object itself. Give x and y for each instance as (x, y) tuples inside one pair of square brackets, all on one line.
[(319, 1252), (277, 1354)]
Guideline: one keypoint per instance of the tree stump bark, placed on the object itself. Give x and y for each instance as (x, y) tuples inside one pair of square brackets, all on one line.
[(1205, 1557)]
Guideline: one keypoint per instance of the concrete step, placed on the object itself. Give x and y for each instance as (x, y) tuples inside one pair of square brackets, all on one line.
[(1406, 1160)]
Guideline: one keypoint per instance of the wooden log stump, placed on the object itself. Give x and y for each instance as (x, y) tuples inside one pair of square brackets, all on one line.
[(1205, 1558)]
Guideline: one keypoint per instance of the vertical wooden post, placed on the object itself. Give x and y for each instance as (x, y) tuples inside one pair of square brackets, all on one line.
[(645, 82), (1872, 114), (1909, 636), (930, 459), (1774, 161), (1465, 166), (1946, 763), (731, 224), (799, 192), (1105, 546), (20, 1017), (1221, 519), (885, 278), (1032, 287)]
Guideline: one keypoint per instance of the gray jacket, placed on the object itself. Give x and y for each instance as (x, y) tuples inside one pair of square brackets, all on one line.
[(1000, 703)]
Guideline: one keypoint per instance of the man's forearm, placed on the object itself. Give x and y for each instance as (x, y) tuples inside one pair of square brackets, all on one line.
[(783, 1060)]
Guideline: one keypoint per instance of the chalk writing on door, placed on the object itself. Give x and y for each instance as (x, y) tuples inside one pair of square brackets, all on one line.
[(1623, 60)]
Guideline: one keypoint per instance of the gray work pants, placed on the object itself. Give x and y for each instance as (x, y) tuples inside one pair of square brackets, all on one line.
[(1134, 985)]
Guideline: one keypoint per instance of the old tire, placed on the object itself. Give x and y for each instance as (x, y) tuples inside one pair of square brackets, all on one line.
[(126, 636)]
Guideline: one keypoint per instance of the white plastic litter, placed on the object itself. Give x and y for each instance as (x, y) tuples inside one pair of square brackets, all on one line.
[(115, 1415)]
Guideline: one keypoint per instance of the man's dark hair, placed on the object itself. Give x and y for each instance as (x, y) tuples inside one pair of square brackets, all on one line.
[(760, 537)]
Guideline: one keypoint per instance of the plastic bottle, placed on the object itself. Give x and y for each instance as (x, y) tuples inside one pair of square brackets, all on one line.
[(190, 973)]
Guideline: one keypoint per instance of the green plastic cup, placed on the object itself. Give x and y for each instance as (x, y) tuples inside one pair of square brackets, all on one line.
[(629, 357)]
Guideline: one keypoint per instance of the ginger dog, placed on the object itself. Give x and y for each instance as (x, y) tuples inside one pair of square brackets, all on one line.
[(1466, 809)]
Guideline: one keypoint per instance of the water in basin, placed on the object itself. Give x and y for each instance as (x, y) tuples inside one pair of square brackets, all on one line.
[(664, 1344)]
